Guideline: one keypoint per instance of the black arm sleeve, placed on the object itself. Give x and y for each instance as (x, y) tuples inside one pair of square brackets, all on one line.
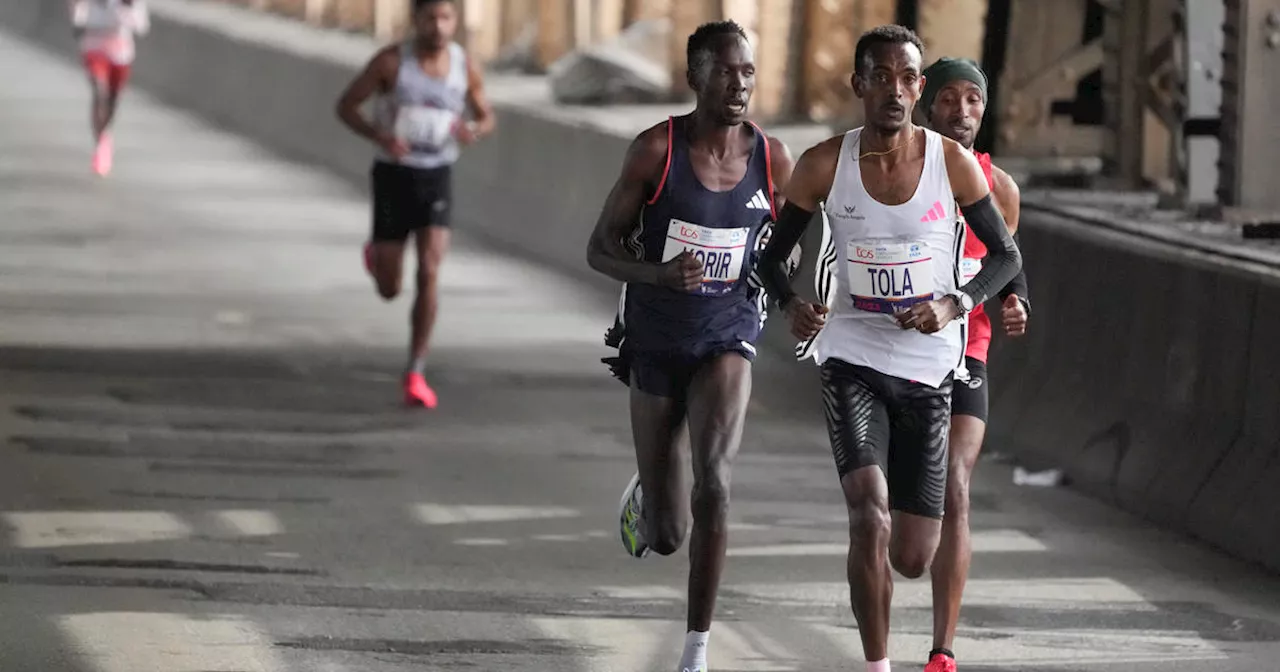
[(787, 231), (1003, 258), (1018, 285)]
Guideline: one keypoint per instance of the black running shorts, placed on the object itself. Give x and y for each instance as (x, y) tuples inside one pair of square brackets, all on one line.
[(972, 398), (406, 199), (670, 375), (899, 425)]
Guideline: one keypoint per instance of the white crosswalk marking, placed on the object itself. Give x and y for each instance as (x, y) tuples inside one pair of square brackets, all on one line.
[(444, 514), (169, 642), (51, 529)]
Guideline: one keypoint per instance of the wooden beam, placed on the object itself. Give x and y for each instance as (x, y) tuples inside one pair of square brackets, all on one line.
[(609, 20), (315, 11), (391, 19), (1124, 89), (642, 10), (831, 31), (484, 28), (517, 16), (555, 31), (354, 15), (686, 16), (954, 28), (773, 57)]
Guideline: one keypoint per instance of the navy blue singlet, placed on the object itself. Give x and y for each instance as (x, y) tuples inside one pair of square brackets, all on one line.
[(723, 230)]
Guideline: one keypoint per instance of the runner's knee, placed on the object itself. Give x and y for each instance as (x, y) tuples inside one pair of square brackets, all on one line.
[(665, 534), (388, 288), (428, 273), (711, 494), (957, 499), (911, 560), (869, 522)]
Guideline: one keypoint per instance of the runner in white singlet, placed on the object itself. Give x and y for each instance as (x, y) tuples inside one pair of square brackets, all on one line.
[(426, 88), (105, 31), (891, 332)]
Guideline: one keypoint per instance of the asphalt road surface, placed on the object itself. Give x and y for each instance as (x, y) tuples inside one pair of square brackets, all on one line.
[(205, 468)]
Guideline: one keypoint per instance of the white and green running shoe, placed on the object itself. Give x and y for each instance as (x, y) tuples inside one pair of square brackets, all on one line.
[(630, 513)]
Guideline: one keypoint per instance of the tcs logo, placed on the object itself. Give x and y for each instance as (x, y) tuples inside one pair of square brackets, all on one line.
[(688, 233), (865, 253)]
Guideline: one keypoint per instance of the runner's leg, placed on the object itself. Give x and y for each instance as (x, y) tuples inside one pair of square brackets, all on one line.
[(717, 411)]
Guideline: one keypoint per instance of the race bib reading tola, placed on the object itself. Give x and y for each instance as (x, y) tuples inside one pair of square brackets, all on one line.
[(721, 251), (885, 277)]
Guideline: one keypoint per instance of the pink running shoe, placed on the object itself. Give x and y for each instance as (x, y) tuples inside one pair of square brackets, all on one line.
[(417, 392), (941, 662), (102, 155)]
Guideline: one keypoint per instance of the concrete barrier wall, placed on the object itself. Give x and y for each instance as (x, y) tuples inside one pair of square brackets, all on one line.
[(1150, 375)]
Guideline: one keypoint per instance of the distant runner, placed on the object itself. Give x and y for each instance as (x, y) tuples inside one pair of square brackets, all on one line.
[(105, 30), (681, 229), (426, 86), (954, 101)]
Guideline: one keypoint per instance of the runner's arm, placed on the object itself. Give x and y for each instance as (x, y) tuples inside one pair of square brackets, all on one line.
[(1009, 198), (642, 169), (781, 164), (809, 183), (969, 186), (79, 16), (478, 101), (369, 82), (140, 18)]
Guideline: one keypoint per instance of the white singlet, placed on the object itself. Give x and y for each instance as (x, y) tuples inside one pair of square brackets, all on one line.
[(109, 27), (888, 258)]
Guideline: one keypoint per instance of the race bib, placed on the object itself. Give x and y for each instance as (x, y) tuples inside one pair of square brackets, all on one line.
[(721, 251), (425, 127), (969, 268), (885, 277)]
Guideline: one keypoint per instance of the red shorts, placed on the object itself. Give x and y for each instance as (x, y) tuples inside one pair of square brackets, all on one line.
[(103, 71)]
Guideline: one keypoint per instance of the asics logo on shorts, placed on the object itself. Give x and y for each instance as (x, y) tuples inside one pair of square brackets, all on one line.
[(974, 382)]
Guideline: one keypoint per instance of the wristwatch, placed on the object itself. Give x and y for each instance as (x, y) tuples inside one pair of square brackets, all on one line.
[(963, 301)]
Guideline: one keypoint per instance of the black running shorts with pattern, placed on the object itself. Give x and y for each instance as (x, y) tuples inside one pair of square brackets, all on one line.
[(900, 425)]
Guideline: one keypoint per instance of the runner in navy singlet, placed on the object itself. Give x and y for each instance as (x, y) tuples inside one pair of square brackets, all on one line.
[(681, 229)]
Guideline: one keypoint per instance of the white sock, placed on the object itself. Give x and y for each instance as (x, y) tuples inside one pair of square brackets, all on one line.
[(878, 666), (694, 658)]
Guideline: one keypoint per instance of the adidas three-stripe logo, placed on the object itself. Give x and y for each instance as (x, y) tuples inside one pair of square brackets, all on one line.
[(759, 201), (935, 213)]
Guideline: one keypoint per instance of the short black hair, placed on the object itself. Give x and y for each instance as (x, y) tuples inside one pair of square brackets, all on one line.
[(888, 34), (419, 4), (702, 42)]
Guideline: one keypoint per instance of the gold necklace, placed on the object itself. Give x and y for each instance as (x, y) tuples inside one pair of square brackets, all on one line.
[(887, 152)]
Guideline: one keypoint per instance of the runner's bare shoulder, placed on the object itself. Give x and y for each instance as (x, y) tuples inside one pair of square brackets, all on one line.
[(647, 155)]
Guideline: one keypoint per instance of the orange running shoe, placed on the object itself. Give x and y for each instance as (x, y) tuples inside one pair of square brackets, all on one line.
[(417, 392)]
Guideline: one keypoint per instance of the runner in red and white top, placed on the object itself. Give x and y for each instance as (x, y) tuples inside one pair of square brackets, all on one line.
[(954, 101), (105, 30)]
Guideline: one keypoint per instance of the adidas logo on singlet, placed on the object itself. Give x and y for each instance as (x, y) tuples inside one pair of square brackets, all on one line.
[(935, 213), (759, 201)]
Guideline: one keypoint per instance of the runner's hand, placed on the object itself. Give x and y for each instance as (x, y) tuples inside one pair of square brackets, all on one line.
[(683, 273), (928, 317), (394, 146), (1014, 316), (807, 319), (465, 132)]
